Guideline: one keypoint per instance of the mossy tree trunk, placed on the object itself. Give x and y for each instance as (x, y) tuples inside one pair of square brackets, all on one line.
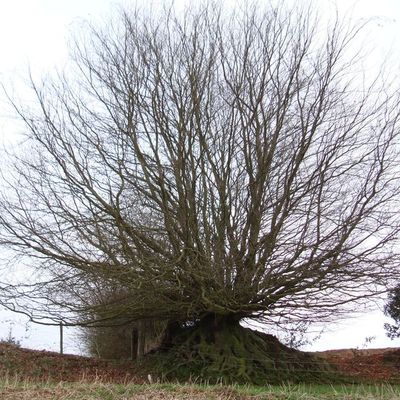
[(218, 349)]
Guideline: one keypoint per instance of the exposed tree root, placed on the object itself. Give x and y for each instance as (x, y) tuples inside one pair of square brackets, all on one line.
[(229, 353)]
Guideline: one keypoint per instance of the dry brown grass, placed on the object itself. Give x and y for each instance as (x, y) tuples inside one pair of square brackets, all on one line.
[(92, 391), (15, 389)]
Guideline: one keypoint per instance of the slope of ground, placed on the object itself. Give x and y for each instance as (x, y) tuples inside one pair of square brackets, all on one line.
[(370, 365), (45, 365)]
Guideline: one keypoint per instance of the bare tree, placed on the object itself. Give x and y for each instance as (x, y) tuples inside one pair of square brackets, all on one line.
[(215, 167)]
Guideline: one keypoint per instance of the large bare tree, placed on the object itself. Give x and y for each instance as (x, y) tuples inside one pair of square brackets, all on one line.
[(214, 167)]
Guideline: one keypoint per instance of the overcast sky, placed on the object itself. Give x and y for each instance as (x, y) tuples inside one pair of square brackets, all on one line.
[(35, 33)]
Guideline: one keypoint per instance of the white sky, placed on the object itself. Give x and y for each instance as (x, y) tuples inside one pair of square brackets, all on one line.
[(35, 32)]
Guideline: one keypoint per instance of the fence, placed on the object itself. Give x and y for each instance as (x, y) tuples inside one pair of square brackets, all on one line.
[(18, 330)]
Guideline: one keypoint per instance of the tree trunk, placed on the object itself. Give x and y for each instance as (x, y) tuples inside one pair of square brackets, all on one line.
[(134, 343), (218, 349), (141, 339)]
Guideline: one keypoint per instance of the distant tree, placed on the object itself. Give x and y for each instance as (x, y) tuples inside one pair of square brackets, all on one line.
[(392, 309), (11, 339), (215, 167)]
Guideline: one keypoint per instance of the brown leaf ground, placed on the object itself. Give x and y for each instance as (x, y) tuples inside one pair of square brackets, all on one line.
[(368, 365), (51, 366)]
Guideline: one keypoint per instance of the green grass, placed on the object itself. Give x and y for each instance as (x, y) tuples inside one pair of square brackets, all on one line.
[(17, 389)]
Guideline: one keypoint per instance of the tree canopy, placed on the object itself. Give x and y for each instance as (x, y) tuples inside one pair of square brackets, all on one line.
[(207, 163)]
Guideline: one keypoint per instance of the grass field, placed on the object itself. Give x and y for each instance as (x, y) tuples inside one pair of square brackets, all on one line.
[(17, 389)]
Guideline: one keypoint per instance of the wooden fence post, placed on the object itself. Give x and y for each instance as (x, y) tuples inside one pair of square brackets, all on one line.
[(134, 343), (61, 339), (141, 339)]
